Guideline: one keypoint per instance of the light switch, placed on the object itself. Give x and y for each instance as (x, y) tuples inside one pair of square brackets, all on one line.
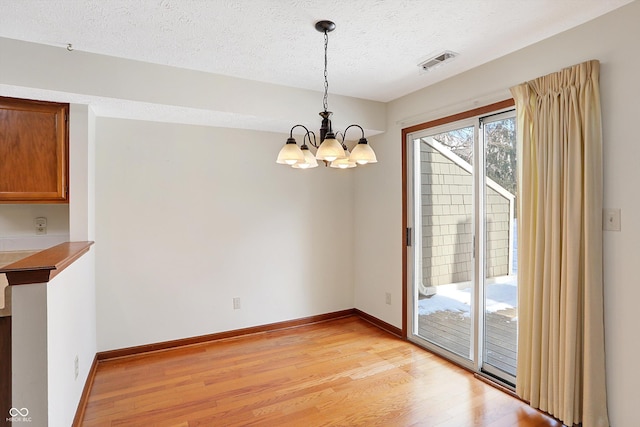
[(611, 219)]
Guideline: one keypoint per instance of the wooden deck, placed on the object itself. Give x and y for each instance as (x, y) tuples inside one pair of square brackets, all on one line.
[(452, 330)]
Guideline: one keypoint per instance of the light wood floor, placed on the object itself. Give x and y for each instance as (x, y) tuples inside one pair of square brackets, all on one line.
[(344, 372)]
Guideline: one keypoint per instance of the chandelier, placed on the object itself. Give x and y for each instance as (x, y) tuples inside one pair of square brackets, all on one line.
[(329, 149)]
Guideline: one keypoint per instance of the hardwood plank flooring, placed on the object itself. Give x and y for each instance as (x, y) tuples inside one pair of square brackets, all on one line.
[(344, 372)]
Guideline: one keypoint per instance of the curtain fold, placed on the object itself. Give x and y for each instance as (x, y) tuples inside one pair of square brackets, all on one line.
[(560, 301)]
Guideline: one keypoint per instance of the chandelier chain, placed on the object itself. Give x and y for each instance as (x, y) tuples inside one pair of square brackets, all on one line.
[(325, 101)]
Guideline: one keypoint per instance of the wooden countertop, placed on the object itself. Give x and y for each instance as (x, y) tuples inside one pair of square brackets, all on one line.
[(43, 266), (9, 257)]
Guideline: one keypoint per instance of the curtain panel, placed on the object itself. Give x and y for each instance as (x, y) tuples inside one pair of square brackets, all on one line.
[(560, 320)]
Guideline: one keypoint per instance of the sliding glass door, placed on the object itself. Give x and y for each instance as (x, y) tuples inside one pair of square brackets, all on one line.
[(462, 296), (443, 226)]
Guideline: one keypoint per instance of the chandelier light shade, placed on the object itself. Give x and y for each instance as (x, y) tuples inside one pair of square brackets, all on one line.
[(290, 154), (309, 159), (332, 151), (363, 153), (345, 163)]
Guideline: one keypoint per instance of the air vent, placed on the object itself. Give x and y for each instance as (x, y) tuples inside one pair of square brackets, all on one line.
[(436, 61)]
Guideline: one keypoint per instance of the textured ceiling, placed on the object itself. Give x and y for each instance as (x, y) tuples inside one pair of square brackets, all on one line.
[(373, 53)]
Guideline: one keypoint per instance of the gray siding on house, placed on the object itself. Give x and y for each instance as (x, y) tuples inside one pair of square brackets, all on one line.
[(447, 229)]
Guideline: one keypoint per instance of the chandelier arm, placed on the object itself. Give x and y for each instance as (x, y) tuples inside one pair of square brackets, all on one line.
[(308, 135), (302, 126), (344, 147), (354, 125)]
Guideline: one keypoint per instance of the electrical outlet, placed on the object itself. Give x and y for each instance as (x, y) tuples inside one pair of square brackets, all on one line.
[(41, 225), (236, 303), (387, 298), (76, 367), (611, 219)]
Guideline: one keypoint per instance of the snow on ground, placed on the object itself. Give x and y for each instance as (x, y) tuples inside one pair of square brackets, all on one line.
[(499, 296)]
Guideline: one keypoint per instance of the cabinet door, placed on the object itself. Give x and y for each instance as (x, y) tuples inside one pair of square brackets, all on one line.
[(33, 151)]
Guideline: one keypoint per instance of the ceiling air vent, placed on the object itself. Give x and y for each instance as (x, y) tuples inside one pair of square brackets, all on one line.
[(436, 61)]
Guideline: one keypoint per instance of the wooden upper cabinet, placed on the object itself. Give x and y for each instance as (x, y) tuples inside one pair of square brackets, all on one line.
[(34, 142)]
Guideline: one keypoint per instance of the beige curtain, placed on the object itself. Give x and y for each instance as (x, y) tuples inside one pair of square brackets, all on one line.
[(560, 300)]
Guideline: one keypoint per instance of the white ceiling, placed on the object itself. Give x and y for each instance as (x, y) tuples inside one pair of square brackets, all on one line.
[(373, 53)]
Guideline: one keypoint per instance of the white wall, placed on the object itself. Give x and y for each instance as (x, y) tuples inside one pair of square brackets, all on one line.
[(17, 229), (613, 40), (81, 208), (71, 332), (29, 352), (189, 217), (52, 323)]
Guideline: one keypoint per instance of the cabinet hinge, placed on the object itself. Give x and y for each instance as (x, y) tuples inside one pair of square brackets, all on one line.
[(408, 236)]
